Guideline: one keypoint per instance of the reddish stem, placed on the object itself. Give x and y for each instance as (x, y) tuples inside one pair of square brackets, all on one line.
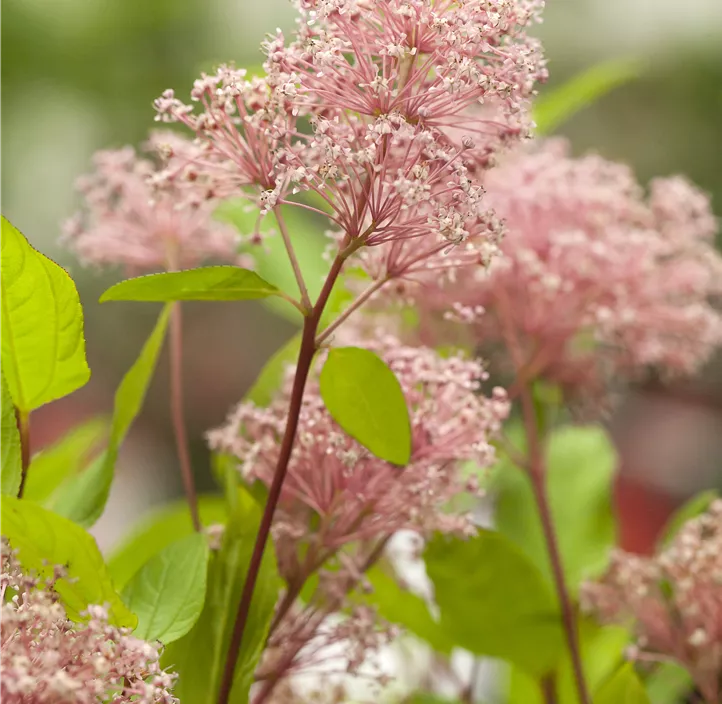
[(178, 414), (537, 474), (23, 420), (303, 366)]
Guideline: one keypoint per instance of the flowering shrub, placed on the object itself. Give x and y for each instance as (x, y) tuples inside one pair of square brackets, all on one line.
[(353, 476)]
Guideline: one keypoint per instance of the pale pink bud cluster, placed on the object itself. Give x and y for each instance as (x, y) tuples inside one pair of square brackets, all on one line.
[(596, 277), (387, 112), (149, 215), (47, 659), (673, 600), (336, 491)]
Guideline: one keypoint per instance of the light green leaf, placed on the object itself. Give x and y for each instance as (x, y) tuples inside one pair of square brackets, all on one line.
[(365, 398), (168, 592), (210, 283), (271, 376), (65, 459), (43, 348), (83, 498), (669, 684), (581, 463), (624, 687), (157, 532), (406, 609), (555, 107), (602, 651), (493, 600), (44, 540), (199, 657), (271, 260), (696, 506), (10, 445)]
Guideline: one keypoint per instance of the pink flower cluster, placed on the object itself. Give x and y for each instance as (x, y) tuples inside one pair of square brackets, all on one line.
[(150, 215), (47, 659), (336, 491), (382, 114), (595, 278), (673, 600)]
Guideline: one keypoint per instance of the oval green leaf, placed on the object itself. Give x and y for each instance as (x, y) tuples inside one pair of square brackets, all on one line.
[(210, 283), (494, 601), (43, 539), (168, 592), (10, 445), (157, 531), (365, 398), (83, 497), (43, 348), (624, 687)]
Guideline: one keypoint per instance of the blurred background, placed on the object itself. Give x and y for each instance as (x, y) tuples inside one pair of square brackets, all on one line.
[(80, 75)]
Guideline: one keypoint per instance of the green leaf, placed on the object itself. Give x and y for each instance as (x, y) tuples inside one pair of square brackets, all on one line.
[(494, 601), (365, 398), (199, 657), (429, 698), (624, 687), (44, 540), (696, 506), (556, 107), (406, 609), (669, 684), (271, 260), (66, 458), (168, 592), (157, 532), (602, 651), (10, 445), (271, 376), (581, 463), (43, 348), (210, 283), (83, 498)]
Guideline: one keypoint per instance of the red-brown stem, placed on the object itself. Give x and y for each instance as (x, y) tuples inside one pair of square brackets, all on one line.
[(23, 420), (303, 366), (549, 689), (178, 414), (537, 474)]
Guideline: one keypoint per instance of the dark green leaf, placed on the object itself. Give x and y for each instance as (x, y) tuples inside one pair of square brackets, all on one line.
[(199, 656), (555, 107), (271, 376), (581, 463), (66, 458), (365, 398), (83, 498), (210, 283), (157, 532), (168, 592), (44, 540), (10, 445), (624, 687), (406, 609), (696, 506), (43, 348), (494, 601)]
